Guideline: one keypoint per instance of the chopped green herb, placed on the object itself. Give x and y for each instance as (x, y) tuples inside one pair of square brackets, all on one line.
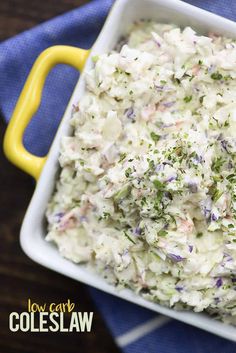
[(122, 157), (105, 215), (216, 195), (177, 80), (119, 70), (151, 164), (231, 176), (217, 164), (159, 197), (153, 252), (227, 77), (162, 233), (216, 76), (95, 58), (118, 99), (128, 237), (188, 99), (128, 172), (154, 136), (217, 178), (201, 99), (158, 184), (121, 194), (143, 201), (199, 234)]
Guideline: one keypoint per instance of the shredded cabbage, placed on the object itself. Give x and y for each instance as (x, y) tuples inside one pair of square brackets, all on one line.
[(147, 189)]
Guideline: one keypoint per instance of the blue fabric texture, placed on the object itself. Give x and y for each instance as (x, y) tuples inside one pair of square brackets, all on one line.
[(80, 27)]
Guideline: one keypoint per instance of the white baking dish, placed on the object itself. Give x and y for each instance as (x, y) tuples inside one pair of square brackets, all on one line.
[(33, 230)]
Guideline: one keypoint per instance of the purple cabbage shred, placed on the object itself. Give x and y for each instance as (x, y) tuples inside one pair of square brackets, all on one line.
[(198, 159), (171, 178), (175, 258), (190, 247), (214, 217), (59, 216), (159, 167), (219, 282), (179, 288), (130, 113), (137, 231), (168, 104), (206, 212), (83, 219), (157, 43), (224, 145)]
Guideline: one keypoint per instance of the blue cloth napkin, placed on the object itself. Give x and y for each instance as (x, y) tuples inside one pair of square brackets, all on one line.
[(136, 330)]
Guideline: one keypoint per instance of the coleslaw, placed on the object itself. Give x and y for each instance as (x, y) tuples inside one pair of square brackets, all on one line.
[(147, 188)]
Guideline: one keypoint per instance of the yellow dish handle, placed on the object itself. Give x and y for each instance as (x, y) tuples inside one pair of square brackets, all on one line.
[(29, 102)]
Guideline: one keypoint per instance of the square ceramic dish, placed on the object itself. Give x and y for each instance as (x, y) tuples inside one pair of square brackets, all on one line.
[(33, 231)]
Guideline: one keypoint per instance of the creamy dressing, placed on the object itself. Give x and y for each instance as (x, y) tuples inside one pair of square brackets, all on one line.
[(147, 189)]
